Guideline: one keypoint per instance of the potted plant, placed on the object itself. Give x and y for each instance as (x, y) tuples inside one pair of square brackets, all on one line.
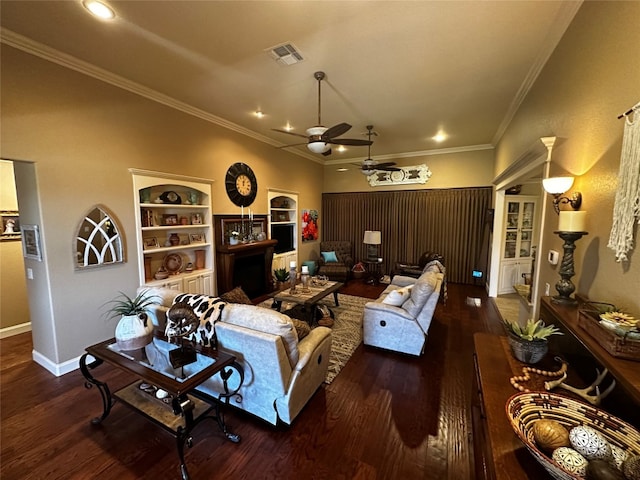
[(282, 276), (529, 343), (134, 330)]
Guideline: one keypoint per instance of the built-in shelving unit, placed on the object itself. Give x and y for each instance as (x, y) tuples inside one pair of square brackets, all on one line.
[(174, 231), (519, 239), (283, 226)]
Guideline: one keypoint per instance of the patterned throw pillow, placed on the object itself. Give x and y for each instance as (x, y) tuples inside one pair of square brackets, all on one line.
[(301, 327), (329, 257), (236, 295)]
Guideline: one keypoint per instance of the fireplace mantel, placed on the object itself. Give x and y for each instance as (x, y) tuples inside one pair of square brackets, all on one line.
[(230, 257)]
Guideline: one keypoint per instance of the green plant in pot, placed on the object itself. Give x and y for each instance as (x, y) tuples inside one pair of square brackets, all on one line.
[(529, 343), (134, 330), (282, 276)]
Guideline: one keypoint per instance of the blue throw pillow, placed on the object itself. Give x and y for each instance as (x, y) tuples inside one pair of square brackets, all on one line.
[(329, 257)]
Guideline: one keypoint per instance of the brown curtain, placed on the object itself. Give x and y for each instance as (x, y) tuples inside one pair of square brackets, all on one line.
[(451, 222)]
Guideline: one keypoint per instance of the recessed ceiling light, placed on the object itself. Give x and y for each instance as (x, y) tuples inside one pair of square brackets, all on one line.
[(99, 9), (341, 148), (440, 137), (341, 169), (259, 113), (288, 127)]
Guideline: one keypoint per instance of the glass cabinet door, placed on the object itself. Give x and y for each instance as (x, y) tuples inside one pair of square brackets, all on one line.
[(519, 229)]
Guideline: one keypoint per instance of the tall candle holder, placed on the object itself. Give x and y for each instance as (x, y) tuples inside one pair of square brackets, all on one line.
[(564, 286)]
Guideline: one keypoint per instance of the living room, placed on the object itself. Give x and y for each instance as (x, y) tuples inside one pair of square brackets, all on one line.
[(73, 138)]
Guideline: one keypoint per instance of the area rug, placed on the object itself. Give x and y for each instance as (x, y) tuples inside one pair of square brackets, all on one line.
[(347, 329)]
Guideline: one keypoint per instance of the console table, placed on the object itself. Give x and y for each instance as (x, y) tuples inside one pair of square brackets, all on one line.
[(499, 453), (183, 407)]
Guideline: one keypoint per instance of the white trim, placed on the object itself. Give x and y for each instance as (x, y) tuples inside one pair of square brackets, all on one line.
[(534, 157), (15, 330), (58, 369), (423, 153)]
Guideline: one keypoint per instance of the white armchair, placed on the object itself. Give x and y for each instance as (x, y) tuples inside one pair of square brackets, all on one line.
[(400, 318)]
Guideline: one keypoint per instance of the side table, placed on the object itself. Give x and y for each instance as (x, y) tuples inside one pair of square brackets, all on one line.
[(182, 406), (374, 271)]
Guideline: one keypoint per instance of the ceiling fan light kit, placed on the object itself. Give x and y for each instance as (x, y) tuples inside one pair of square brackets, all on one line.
[(320, 138)]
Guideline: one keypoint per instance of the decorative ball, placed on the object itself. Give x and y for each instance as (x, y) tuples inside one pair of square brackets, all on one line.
[(589, 443), (599, 469), (631, 467), (570, 460), (550, 435), (618, 456)]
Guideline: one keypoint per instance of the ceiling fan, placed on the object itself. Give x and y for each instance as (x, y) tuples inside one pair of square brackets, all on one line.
[(369, 166), (320, 138)]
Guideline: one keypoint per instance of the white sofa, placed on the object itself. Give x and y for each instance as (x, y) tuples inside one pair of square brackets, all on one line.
[(281, 373), (403, 324)]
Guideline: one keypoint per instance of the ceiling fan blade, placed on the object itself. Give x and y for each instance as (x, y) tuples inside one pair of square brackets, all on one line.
[(337, 130), (387, 169), (327, 153), (349, 141), (289, 133), (385, 164)]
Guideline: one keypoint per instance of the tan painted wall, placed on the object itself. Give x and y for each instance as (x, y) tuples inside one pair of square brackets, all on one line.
[(592, 77), (450, 170), (14, 306), (83, 135)]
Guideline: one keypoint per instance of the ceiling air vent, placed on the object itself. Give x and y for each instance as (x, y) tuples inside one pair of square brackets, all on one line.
[(285, 54)]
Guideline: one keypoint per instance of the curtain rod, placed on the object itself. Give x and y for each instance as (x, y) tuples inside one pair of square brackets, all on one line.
[(628, 112)]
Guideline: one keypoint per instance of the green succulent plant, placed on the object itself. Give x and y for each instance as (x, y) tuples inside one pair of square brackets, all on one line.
[(281, 274), (126, 305), (532, 330)]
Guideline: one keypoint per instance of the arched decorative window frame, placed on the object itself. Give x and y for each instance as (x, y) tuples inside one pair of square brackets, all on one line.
[(114, 243)]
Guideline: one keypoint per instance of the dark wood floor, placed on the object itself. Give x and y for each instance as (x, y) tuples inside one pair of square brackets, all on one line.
[(386, 416)]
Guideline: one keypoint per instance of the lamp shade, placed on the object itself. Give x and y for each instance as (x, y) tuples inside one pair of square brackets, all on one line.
[(316, 145), (372, 237), (557, 185)]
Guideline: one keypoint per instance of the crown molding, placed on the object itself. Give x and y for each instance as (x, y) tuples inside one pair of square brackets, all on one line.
[(423, 153), (565, 16), (38, 49)]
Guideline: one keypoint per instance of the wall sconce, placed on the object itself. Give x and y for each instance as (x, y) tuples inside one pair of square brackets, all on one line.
[(556, 186)]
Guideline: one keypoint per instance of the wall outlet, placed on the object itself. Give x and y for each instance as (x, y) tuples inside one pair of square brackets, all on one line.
[(547, 289)]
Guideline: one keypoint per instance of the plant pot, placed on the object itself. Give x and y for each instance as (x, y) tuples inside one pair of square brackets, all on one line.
[(134, 332), (528, 351)]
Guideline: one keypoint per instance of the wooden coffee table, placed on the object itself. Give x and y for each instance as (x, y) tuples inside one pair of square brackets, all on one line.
[(183, 407), (308, 299)]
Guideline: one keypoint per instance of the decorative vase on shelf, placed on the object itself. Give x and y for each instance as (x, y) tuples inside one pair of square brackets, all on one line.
[(200, 259), (233, 240)]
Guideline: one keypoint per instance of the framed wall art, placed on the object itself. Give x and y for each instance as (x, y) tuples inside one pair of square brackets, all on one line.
[(31, 242), (9, 225), (309, 225)]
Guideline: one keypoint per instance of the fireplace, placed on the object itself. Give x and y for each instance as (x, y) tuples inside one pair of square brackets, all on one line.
[(245, 265)]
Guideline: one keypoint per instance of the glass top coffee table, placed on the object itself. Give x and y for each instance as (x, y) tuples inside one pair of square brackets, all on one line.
[(307, 299), (163, 394)]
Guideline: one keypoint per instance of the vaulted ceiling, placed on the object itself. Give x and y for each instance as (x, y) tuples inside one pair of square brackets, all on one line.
[(411, 69)]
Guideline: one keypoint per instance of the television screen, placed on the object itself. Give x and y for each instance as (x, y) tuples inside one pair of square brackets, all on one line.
[(284, 235)]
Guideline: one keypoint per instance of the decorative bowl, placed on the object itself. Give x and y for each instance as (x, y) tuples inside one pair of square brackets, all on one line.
[(524, 409)]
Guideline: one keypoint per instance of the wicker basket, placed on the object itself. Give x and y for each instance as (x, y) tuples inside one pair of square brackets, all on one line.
[(616, 345), (524, 409)]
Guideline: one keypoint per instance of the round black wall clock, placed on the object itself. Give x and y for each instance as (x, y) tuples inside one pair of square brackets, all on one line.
[(241, 184)]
